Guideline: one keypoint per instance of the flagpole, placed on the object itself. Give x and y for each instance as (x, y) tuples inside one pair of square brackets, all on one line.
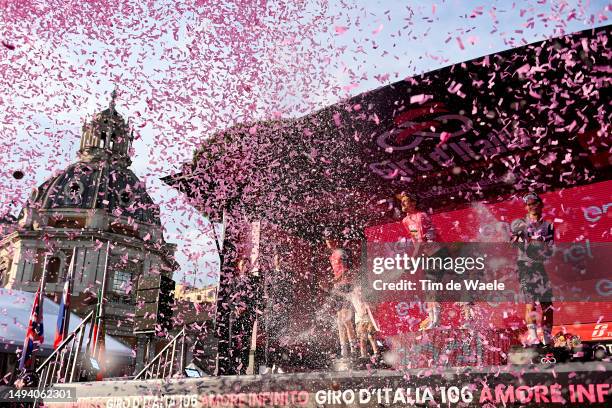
[(221, 257), (43, 281), (71, 269), (91, 329), (102, 299)]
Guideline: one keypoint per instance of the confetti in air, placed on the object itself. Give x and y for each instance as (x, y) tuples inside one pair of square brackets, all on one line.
[(173, 129)]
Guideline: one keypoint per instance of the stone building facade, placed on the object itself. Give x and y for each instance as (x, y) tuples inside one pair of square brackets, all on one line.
[(93, 202)]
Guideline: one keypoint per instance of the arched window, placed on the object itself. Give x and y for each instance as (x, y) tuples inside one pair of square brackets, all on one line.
[(74, 192), (74, 188), (125, 197)]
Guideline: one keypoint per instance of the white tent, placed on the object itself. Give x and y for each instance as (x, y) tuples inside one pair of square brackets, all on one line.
[(15, 308)]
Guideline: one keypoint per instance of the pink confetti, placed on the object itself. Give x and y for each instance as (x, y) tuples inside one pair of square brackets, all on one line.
[(421, 98), (340, 29), (8, 45), (460, 43), (523, 69), (350, 87), (444, 136), (337, 119)]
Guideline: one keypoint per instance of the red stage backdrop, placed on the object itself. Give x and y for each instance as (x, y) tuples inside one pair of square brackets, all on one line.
[(580, 214)]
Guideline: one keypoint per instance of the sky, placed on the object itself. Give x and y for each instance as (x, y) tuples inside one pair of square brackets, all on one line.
[(185, 70)]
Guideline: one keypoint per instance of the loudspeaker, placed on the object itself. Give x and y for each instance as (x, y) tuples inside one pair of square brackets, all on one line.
[(154, 302)]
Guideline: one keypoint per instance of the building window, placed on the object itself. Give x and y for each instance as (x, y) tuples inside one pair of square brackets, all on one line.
[(121, 282), (53, 269), (86, 169), (125, 198), (74, 191), (67, 222)]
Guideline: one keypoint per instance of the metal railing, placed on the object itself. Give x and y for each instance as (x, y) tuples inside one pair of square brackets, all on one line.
[(64, 364), (164, 364)]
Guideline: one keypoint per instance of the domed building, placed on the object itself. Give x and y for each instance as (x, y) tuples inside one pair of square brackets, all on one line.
[(95, 201)]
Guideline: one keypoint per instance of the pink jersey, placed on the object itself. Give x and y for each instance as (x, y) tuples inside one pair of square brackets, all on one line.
[(419, 227), (340, 265)]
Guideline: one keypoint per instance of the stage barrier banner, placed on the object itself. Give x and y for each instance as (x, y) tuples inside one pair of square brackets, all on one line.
[(573, 385)]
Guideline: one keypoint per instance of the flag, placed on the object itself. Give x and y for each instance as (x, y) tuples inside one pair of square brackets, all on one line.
[(101, 351), (95, 327), (35, 331), (97, 349), (63, 318)]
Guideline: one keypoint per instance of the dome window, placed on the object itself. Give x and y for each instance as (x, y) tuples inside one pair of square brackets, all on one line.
[(125, 198), (74, 191), (86, 169), (74, 188)]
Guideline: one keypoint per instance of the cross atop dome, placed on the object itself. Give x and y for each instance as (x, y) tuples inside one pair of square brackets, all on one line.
[(111, 105)]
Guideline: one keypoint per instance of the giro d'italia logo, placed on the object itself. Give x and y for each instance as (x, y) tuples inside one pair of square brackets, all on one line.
[(429, 121), (548, 359)]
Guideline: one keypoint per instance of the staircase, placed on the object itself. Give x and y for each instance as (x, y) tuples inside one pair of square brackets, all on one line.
[(65, 364), (165, 364)]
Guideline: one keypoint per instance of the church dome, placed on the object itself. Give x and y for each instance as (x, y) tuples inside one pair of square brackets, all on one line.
[(101, 179), (97, 185)]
